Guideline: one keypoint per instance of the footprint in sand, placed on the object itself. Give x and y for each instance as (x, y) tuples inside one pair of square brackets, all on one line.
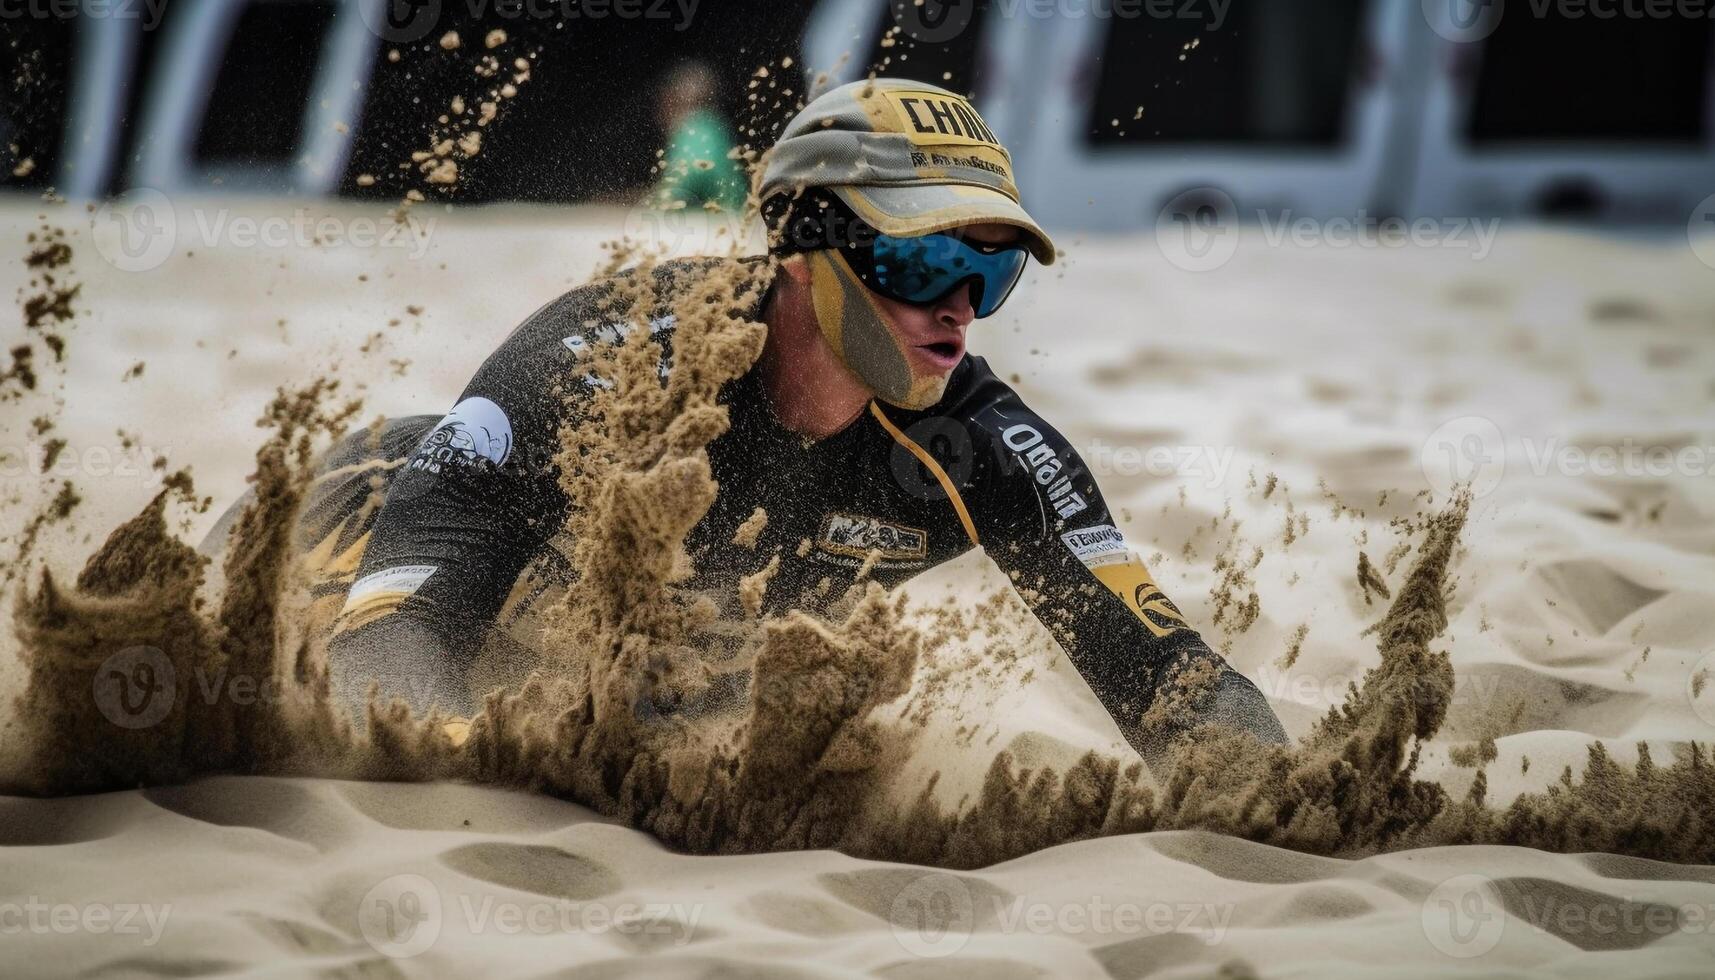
[(534, 868), (1242, 860), (933, 913), (1589, 920)]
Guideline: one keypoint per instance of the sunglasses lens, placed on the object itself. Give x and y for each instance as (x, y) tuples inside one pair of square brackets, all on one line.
[(926, 268)]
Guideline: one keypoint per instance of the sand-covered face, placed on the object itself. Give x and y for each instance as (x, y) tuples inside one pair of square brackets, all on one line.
[(904, 352)]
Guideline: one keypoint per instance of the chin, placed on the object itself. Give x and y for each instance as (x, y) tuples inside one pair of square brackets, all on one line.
[(925, 391)]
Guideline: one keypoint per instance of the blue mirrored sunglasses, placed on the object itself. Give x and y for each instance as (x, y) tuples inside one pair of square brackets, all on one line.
[(927, 268)]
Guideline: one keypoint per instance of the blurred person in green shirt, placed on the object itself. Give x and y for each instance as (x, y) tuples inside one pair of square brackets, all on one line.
[(700, 171)]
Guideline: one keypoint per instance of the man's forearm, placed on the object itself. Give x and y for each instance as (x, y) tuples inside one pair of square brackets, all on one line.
[(404, 659)]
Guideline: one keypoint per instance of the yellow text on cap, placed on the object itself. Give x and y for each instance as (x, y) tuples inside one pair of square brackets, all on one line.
[(931, 118)]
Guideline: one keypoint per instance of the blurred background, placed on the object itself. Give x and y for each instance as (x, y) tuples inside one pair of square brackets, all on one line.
[(1597, 110)]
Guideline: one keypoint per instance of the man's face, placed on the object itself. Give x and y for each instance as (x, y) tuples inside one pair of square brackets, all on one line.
[(933, 334)]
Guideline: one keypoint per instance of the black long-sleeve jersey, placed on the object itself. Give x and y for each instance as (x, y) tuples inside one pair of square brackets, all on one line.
[(465, 540)]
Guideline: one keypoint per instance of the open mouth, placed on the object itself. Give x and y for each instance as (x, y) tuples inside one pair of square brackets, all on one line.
[(944, 350)]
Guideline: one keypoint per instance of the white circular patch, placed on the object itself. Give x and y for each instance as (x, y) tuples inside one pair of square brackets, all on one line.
[(476, 427)]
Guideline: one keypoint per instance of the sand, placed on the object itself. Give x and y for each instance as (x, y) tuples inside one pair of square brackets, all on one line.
[(1317, 376)]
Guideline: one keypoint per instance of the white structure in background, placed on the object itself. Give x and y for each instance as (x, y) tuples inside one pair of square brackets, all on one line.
[(1658, 181), (175, 103), (1402, 152)]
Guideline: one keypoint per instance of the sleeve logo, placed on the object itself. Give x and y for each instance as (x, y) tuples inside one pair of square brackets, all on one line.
[(1034, 453), (475, 435), (1102, 544)]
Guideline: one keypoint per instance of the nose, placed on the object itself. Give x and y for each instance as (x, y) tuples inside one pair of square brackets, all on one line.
[(955, 310)]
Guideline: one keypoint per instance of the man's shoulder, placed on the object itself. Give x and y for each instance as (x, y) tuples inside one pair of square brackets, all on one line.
[(979, 399), (1025, 465), (610, 307)]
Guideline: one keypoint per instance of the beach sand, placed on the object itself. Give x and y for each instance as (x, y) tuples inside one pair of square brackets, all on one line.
[(1292, 404)]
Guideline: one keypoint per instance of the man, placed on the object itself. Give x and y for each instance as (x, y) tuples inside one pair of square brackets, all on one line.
[(880, 447)]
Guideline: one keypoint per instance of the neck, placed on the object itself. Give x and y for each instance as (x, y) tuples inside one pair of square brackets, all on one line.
[(811, 390)]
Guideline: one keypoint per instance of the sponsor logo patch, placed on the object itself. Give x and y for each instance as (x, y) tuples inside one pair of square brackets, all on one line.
[(475, 434), (856, 536), (1102, 544), (1046, 468)]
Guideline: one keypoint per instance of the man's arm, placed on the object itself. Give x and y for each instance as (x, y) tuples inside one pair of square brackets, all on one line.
[(470, 506), (1044, 522)]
